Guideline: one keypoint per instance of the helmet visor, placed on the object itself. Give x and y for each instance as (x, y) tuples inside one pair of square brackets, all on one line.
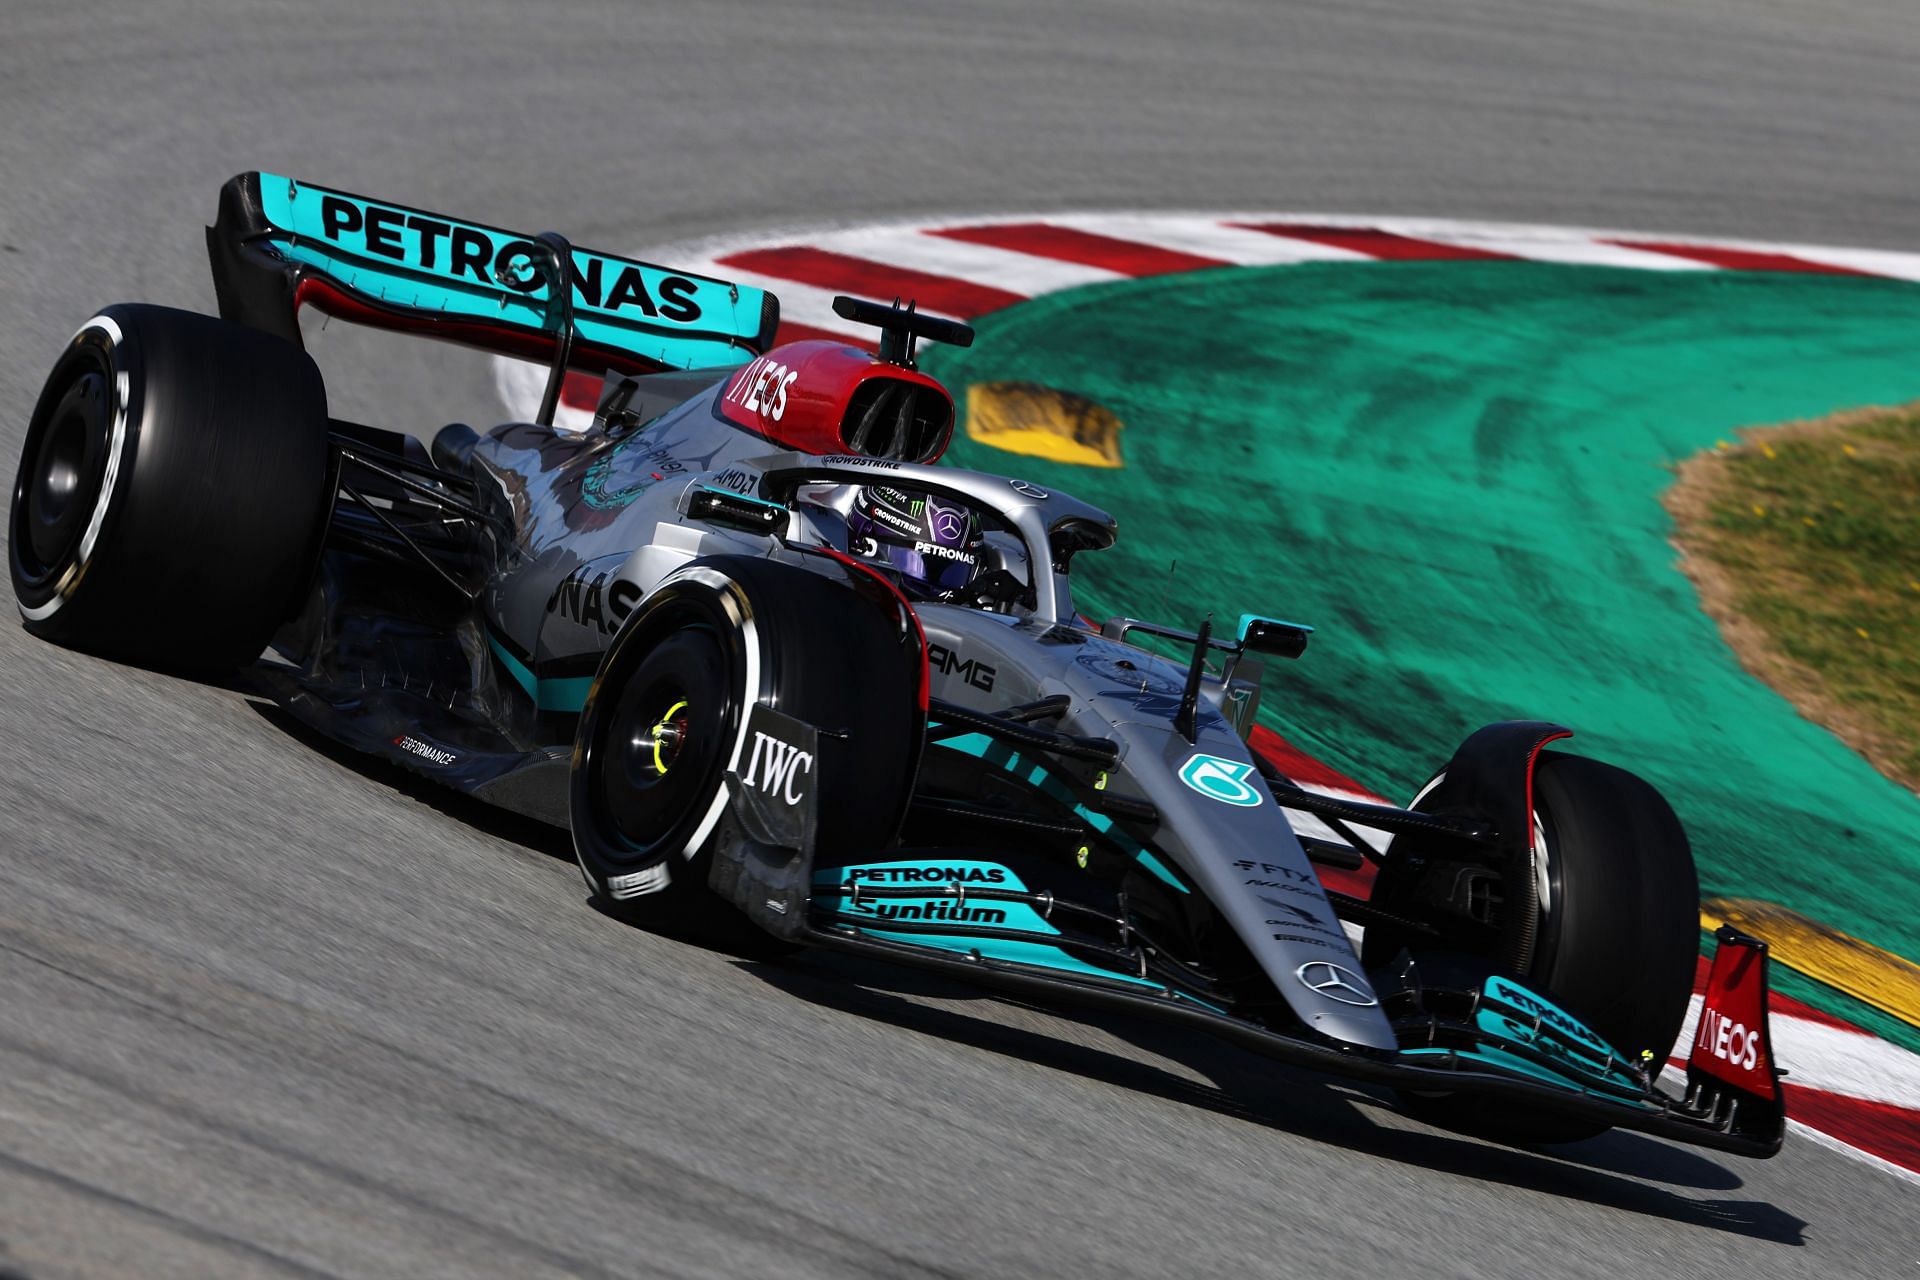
[(937, 568)]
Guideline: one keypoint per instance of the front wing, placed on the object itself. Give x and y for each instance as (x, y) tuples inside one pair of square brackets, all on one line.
[(1461, 1060)]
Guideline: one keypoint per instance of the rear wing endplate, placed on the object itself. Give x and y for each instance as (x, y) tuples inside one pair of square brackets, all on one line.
[(277, 245)]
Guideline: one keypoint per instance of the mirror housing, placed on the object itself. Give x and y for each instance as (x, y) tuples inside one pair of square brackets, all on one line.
[(1273, 637)]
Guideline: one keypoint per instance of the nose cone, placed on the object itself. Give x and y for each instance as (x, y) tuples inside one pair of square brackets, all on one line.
[(1335, 999), (1222, 826)]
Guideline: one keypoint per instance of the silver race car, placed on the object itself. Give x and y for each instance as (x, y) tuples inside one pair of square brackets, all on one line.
[(776, 670)]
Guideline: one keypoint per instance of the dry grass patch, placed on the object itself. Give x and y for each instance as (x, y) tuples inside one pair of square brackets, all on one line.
[(1804, 542)]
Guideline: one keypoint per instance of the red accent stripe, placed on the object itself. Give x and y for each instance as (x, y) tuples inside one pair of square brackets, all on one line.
[(1738, 259), (1300, 766), (824, 269), (791, 332), (1878, 1128), (1375, 243), (1305, 770), (1533, 759), (1355, 884), (1066, 244)]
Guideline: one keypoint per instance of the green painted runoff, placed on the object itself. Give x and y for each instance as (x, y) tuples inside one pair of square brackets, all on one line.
[(1453, 471)]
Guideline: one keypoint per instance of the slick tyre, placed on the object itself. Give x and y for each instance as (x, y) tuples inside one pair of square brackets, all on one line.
[(172, 490), (667, 712), (1620, 920), (1618, 931)]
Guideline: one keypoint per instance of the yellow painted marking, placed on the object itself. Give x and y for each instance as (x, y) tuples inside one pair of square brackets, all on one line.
[(1882, 979), (1040, 422), (659, 765)]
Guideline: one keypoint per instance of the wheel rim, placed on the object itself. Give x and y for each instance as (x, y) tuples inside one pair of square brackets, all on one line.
[(62, 470), (664, 743), (1547, 892), (1543, 869)]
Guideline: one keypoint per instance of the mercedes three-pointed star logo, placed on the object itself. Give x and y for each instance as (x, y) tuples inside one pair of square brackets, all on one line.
[(1335, 982), (946, 522)]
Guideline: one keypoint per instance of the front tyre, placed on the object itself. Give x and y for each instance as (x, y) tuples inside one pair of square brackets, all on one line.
[(1620, 914), (667, 714), (656, 733), (172, 490), (1617, 931)]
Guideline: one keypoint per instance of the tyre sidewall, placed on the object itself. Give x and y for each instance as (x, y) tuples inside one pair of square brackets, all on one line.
[(49, 596), (1621, 938), (214, 500), (616, 871), (796, 641)]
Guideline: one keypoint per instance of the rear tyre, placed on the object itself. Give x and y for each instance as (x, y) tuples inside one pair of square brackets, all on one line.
[(668, 710), (1618, 933), (172, 490)]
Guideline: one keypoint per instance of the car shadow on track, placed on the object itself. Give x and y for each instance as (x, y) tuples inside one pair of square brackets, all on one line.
[(1615, 1169)]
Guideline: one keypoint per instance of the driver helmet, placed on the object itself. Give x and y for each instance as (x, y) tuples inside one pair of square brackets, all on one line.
[(932, 543)]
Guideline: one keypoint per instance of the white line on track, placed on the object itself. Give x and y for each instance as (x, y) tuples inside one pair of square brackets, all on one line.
[(1838, 1060), (1210, 237), (1021, 273), (1213, 234), (1822, 1138), (799, 303)]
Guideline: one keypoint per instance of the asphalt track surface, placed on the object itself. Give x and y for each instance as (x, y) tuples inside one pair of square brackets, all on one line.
[(264, 1011)]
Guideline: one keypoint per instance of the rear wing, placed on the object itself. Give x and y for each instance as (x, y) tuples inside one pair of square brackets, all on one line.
[(277, 245)]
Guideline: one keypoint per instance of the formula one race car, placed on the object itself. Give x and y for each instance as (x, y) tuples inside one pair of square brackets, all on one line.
[(772, 666)]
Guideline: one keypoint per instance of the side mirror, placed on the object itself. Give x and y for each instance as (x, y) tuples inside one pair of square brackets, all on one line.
[(1273, 637), (1076, 533)]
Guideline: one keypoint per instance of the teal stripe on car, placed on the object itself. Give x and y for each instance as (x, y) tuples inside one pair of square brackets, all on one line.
[(893, 919), (1038, 775), (567, 694)]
